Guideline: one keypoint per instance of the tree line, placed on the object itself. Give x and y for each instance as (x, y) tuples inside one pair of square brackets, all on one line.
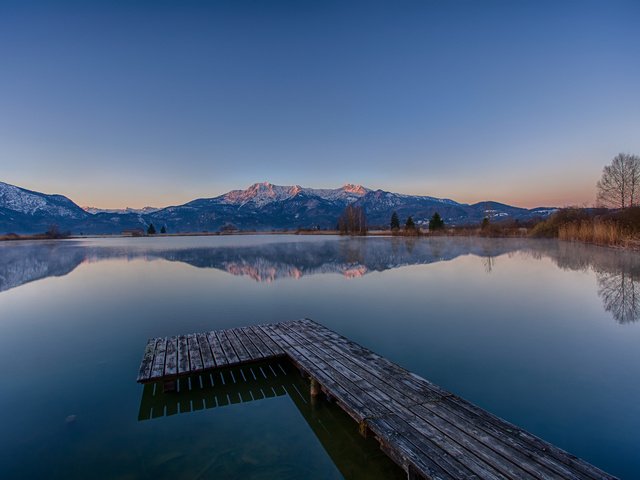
[(353, 221)]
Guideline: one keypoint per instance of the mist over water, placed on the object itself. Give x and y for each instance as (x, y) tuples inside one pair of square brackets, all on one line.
[(542, 333)]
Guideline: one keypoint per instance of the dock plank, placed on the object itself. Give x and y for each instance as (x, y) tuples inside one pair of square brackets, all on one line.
[(146, 365), (239, 348), (254, 352), (262, 347), (158, 362), (267, 340), (195, 358), (205, 350), (227, 348), (171, 357), (216, 349), (183, 355)]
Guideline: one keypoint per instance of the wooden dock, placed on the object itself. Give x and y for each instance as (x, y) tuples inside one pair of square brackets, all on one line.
[(429, 432)]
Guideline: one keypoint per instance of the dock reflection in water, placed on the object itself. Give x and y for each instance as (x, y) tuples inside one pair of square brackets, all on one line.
[(353, 455)]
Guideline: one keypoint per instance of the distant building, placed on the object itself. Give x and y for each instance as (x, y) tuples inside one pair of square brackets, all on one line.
[(134, 232)]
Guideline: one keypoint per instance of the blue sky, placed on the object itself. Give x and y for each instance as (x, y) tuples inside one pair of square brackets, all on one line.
[(155, 103)]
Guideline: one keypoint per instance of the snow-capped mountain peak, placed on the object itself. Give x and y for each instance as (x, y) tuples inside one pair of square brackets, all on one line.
[(260, 194), (355, 189)]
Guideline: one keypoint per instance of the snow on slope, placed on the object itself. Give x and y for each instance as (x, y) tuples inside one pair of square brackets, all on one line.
[(34, 203), (260, 194), (120, 211)]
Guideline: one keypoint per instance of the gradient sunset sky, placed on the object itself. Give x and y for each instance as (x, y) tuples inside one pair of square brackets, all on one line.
[(156, 103)]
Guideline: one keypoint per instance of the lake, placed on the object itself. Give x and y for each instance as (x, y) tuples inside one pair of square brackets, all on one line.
[(544, 334)]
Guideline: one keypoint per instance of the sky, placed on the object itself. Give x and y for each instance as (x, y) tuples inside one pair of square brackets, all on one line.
[(127, 103)]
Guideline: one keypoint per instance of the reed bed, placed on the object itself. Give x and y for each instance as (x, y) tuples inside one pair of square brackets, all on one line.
[(590, 231)]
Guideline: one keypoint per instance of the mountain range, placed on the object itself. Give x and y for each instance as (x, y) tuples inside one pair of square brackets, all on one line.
[(261, 207)]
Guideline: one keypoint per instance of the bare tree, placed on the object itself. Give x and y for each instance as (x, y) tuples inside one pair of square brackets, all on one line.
[(353, 221), (619, 186)]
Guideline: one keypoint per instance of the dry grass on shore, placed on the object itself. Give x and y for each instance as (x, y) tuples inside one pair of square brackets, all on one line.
[(597, 232), (619, 228)]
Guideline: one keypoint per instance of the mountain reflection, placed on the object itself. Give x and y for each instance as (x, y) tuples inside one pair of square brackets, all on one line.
[(617, 272)]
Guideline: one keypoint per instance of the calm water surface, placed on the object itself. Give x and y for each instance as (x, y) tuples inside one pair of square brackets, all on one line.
[(542, 333)]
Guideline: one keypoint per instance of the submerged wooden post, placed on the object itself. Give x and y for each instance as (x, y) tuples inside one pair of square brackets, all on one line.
[(315, 388), (363, 428)]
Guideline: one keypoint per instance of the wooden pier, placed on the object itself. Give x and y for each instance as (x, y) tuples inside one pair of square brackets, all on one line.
[(429, 432)]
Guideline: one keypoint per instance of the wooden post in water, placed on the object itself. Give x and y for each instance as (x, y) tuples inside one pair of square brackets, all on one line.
[(363, 428), (315, 388)]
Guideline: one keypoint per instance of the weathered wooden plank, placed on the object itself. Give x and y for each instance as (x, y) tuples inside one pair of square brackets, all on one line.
[(227, 348), (262, 347), (240, 350), (158, 362), (205, 351), (273, 346), (262, 350), (218, 354), (171, 357), (195, 359), (251, 349), (404, 453), (147, 360), (183, 355)]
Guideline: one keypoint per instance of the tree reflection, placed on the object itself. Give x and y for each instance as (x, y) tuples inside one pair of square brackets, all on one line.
[(488, 262), (620, 294)]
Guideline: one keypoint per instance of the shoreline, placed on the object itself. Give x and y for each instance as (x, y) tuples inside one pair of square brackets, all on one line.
[(17, 238), (632, 245)]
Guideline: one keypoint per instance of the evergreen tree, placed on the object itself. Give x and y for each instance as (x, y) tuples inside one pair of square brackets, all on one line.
[(485, 223), (395, 222), (436, 222), (163, 229), (151, 230), (410, 224)]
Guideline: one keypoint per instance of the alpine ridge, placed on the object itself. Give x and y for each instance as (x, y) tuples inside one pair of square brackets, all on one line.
[(261, 207)]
